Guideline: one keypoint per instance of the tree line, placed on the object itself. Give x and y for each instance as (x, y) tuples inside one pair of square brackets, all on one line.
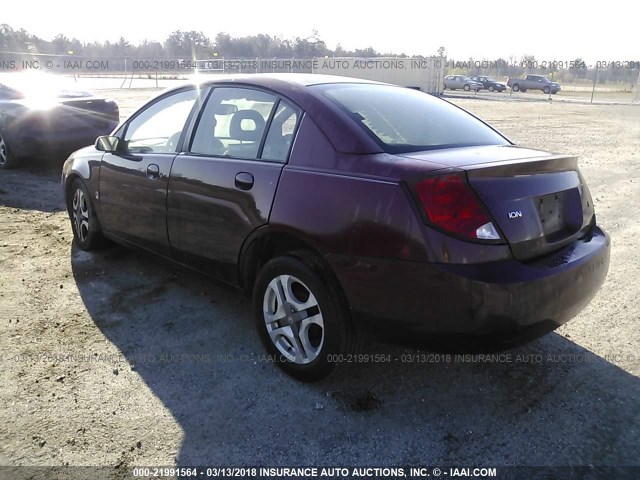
[(179, 44), (188, 45)]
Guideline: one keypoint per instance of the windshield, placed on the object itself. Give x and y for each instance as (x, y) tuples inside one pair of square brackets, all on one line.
[(405, 120)]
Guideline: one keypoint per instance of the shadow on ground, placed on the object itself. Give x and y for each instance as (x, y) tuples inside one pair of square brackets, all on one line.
[(35, 186), (572, 408)]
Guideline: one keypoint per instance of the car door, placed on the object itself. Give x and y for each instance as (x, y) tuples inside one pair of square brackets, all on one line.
[(133, 181), (222, 188)]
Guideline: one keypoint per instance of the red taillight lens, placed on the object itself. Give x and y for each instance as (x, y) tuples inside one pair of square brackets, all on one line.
[(451, 205)]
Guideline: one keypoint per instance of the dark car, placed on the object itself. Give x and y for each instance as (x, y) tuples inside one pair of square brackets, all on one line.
[(41, 117), (344, 206), (490, 84)]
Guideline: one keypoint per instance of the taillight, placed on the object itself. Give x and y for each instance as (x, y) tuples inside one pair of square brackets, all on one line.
[(450, 205)]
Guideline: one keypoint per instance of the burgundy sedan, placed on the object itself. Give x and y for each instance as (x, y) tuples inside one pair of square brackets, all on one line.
[(343, 206)]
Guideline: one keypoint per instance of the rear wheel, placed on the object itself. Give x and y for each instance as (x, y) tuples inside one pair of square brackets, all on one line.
[(84, 222), (301, 317), (7, 158), (515, 87), (491, 89)]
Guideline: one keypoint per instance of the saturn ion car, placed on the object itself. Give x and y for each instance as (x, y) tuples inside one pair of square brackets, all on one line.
[(344, 206)]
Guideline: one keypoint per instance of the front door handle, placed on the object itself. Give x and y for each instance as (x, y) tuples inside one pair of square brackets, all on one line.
[(244, 181), (153, 171)]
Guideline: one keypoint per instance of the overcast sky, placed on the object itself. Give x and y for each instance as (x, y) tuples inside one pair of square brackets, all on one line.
[(478, 29)]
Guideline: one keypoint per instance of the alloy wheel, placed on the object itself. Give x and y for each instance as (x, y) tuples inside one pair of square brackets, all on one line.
[(80, 215), (293, 319), (3, 151)]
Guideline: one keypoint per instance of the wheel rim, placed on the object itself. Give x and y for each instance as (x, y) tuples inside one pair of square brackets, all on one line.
[(293, 319), (80, 215), (3, 151)]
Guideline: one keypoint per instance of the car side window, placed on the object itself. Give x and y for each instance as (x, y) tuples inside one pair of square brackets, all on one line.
[(233, 123), (281, 132), (158, 128)]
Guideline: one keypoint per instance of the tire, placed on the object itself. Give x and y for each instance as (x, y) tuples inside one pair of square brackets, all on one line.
[(467, 88), (7, 158), (290, 290), (84, 221), (523, 90), (515, 87), (491, 89), (546, 90)]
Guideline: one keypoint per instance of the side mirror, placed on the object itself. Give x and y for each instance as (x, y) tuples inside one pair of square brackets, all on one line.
[(107, 144)]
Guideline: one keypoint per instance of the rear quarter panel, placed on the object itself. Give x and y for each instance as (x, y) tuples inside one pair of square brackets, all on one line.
[(346, 215)]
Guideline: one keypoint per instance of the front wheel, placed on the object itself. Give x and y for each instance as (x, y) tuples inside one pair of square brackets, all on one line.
[(546, 90), (7, 158), (515, 87), (467, 88), (301, 318), (84, 222), (491, 89)]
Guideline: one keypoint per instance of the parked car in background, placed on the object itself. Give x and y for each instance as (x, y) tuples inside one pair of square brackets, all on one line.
[(460, 82), (490, 84), (41, 116), (342, 205), (533, 82)]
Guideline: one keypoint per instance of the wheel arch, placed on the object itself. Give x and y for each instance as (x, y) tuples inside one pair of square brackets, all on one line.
[(269, 242)]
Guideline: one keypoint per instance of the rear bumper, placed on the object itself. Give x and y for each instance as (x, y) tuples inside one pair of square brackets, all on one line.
[(506, 302)]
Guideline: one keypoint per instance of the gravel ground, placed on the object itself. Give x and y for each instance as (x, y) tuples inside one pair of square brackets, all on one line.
[(112, 358)]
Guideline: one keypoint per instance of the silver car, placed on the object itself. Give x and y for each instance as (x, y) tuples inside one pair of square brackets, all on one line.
[(454, 82)]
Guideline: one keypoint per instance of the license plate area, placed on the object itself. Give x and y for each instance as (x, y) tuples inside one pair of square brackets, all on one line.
[(551, 212), (560, 214)]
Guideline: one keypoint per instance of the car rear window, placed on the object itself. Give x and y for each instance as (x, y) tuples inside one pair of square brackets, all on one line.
[(405, 120)]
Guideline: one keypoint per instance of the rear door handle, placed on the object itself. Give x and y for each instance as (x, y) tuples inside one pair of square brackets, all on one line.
[(153, 171), (244, 181)]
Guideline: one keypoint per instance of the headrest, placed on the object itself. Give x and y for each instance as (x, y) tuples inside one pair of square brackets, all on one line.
[(246, 125)]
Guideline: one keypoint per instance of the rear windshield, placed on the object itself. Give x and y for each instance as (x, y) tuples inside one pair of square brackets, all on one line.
[(404, 120)]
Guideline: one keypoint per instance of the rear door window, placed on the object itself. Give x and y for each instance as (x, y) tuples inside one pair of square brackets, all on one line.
[(233, 123), (281, 133)]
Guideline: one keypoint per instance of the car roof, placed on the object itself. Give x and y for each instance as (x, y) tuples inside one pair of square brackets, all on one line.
[(338, 127), (279, 79)]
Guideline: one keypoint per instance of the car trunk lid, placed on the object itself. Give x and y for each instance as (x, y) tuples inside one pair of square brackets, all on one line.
[(539, 201), (96, 111)]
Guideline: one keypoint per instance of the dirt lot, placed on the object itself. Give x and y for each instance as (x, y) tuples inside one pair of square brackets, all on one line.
[(111, 358)]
